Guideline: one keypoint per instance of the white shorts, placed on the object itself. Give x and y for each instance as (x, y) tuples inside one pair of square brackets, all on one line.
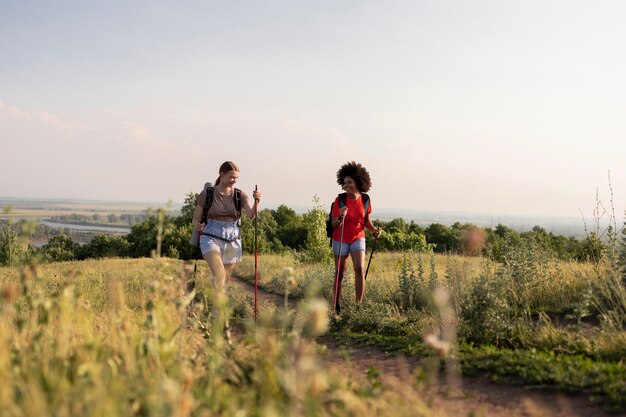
[(347, 248), (231, 251)]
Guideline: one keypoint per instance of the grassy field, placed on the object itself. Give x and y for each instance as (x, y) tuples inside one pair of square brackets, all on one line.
[(532, 320), (115, 337)]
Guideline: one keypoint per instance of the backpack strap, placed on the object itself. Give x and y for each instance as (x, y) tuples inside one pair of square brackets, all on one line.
[(207, 203), (237, 198), (366, 205), (342, 199)]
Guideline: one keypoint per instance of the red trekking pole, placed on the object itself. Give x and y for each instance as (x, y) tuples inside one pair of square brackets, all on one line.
[(338, 263), (256, 253)]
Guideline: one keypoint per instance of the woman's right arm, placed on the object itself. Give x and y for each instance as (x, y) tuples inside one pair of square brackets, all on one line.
[(197, 214), (337, 214)]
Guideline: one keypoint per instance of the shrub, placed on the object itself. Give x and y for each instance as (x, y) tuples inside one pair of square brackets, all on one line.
[(317, 243), (13, 250)]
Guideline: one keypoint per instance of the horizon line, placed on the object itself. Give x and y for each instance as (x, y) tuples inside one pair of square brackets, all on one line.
[(384, 210)]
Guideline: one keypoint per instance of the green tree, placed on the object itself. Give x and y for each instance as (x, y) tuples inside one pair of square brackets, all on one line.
[(104, 246), (290, 228), (397, 225), (498, 240), (13, 250), (60, 248), (444, 238), (267, 241), (189, 206), (143, 236), (176, 243)]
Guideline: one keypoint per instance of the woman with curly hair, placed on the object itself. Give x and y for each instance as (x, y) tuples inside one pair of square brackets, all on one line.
[(350, 216)]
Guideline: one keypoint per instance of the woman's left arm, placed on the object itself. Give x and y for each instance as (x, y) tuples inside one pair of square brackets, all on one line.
[(376, 231)]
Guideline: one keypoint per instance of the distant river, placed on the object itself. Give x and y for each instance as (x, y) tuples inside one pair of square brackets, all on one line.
[(93, 228)]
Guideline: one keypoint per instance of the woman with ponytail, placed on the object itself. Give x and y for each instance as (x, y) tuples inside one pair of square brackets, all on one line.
[(220, 240)]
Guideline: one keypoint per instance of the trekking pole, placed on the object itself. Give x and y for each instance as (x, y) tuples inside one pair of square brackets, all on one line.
[(256, 253), (370, 261), (338, 262)]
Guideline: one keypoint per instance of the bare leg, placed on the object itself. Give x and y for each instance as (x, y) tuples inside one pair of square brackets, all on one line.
[(228, 269), (339, 276), (214, 259), (358, 260), (221, 274)]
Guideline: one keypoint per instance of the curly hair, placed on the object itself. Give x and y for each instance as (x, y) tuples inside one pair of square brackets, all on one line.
[(358, 173)]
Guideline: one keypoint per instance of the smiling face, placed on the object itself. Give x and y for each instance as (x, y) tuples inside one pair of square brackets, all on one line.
[(229, 178), (349, 186)]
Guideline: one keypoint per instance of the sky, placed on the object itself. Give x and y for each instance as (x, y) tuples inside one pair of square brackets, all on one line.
[(487, 106)]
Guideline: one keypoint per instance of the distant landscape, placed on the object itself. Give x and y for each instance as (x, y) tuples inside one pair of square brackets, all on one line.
[(45, 209)]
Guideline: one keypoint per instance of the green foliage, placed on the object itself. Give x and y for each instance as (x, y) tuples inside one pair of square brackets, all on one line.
[(104, 246), (609, 296), (485, 311), (290, 228), (605, 382), (444, 238), (282, 229), (398, 240), (176, 243), (60, 248), (503, 239), (187, 210), (13, 249), (317, 243), (592, 249), (531, 302), (267, 239), (413, 292), (143, 238), (159, 358), (380, 318), (157, 235), (499, 240)]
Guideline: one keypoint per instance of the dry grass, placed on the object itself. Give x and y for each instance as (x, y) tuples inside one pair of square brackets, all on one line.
[(112, 337)]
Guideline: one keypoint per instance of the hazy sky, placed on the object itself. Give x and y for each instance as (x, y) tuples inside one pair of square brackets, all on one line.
[(490, 106)]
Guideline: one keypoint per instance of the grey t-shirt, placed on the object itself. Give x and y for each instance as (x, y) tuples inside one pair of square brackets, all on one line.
[(223, 206)]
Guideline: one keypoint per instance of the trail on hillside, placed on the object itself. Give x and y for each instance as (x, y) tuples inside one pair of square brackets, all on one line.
[(469, 396)]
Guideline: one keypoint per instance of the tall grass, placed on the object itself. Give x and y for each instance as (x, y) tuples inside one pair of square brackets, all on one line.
[(117, 337), (530, 302)]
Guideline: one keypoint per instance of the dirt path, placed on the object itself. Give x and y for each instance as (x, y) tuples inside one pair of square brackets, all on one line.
[(475, 396)]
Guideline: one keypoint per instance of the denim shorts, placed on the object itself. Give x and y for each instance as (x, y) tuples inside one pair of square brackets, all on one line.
[(347, 248), (230, 251)]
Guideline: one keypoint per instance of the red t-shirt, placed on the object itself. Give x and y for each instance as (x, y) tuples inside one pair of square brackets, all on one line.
[(354, 223)]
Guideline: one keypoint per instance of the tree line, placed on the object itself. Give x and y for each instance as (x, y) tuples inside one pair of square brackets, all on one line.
[(283, 230), (113, 219)]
